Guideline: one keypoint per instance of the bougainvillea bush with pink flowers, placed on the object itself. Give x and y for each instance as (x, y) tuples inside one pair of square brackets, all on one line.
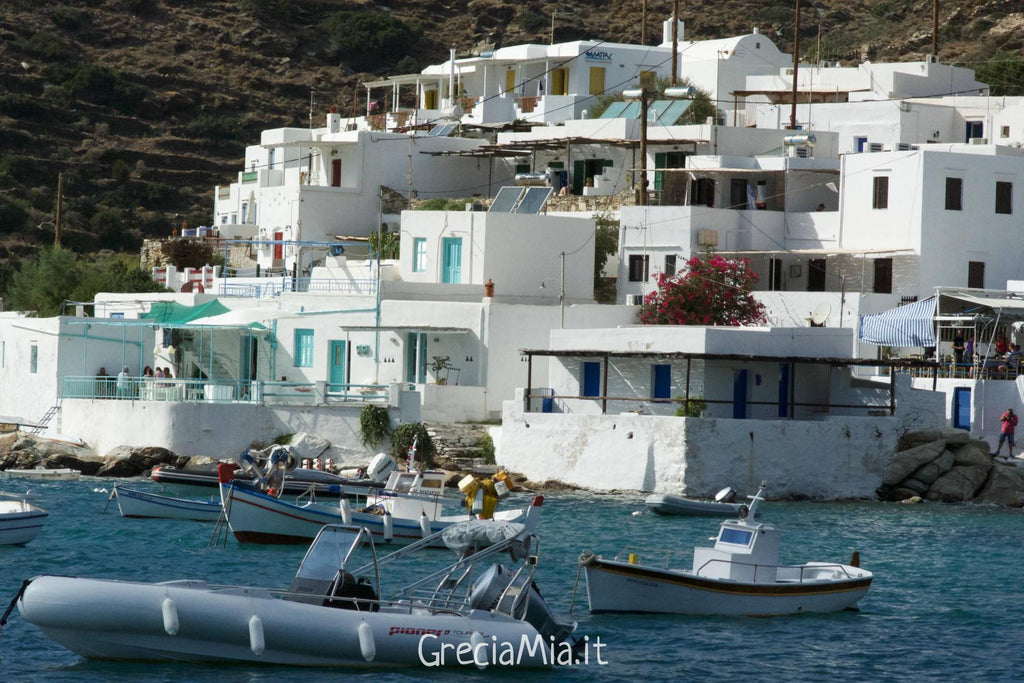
[(711, 290)]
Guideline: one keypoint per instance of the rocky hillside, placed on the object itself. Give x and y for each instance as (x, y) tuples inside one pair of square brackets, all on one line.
[(145, 105)]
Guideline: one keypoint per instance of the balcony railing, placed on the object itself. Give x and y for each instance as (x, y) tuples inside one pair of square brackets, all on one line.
[(274, 287), (215, 391)]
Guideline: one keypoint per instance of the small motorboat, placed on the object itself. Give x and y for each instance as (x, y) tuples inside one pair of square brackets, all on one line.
[(740, 575), (56, 474), (473, 612), (20, 520), (723, 505), (410, 507), (135, 503), (298, 480)]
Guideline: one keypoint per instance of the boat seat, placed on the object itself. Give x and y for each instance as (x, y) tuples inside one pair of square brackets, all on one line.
[(348, 592)]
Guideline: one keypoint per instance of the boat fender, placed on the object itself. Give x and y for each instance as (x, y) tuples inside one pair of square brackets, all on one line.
[(170, 614), (477, 640), (367, 646), (425, 524), (256, 641), (346, 511), (389, 527)]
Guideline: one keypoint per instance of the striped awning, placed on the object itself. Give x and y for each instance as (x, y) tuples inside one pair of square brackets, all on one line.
[(907, 325)]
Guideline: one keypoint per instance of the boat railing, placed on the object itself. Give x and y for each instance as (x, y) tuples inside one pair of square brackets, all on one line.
[(663, 556), (785, 573)]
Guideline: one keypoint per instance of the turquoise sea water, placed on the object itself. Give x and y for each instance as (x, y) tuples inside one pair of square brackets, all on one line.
[(947, 601)]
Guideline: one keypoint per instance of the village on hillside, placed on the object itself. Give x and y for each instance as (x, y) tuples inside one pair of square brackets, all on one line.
[(438, 260)]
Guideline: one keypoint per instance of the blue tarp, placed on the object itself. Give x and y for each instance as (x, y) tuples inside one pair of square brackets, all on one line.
[(908, 325)]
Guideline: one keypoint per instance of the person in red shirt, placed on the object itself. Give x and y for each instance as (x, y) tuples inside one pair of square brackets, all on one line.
[(1008, 422)]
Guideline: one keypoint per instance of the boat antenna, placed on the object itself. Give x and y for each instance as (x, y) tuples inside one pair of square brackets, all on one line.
[(756, 499)]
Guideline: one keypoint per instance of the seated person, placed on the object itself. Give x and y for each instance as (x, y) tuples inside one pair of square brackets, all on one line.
[(1001, 346), (1012, 363)]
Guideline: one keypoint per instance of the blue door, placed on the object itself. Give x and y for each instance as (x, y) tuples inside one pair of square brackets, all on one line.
[(962, 408), (739, 394), (451, 264), (783, 389), (661, 382), (416, 357), (591, 379), (336, 365)]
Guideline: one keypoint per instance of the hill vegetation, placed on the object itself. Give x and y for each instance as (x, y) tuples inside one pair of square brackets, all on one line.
[(143, 106)]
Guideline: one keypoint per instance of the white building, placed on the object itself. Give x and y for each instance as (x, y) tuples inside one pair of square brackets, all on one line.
[(315, 185), (780, 404)]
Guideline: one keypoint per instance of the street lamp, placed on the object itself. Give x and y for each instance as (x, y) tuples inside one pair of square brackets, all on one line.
[(645, 96)]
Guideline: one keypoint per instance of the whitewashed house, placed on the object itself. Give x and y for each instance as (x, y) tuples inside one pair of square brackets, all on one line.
[(314, 186), (780, 404)]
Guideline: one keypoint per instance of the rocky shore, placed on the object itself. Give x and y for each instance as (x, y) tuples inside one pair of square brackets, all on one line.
[(947, 465)]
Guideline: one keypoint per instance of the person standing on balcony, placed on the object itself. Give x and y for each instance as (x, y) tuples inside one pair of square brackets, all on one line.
[(124, 382)]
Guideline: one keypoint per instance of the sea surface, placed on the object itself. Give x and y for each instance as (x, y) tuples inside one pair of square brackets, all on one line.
[(947, 601)]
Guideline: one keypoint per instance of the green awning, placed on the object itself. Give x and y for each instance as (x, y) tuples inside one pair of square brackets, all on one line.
[(170, 313)]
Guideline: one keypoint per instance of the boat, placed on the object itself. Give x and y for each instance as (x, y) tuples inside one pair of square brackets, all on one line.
[(722, 506), (297, 480), (410, 507), (20, 520), (740, 575), (135, 503), (337, 612), (57, 474)]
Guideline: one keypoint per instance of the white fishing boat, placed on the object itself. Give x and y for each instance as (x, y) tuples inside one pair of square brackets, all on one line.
[(20, 520), (723, 505), (56, 474), (471, 613), (135, 503), (740, 575), (410, 507)]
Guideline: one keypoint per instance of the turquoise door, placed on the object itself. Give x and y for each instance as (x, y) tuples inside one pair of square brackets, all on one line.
[(451, 264), (336, 365)]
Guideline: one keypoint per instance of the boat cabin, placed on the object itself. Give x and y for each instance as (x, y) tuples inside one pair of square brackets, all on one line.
[(410, 494), (743, 552)]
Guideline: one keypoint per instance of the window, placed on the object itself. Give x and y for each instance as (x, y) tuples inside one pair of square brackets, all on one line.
[(816, 275), (1004, 132), (559, 82), (638, 268), (33, 359), (597, 80), (419, 254), (335, 172), (670, 265), (880, 192), (859, 143), (661, 382), (590, 384), (303, 348), (1004, 196), (976, 274), (883, 276), (271, 158), (954, 194), (775, 274), (975, 129)]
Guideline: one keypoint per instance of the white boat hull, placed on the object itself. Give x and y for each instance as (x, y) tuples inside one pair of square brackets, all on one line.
[(133, 503), (666, 504), (194, 622), (20, 522), (614, 586), (62, 474), (254, 517)]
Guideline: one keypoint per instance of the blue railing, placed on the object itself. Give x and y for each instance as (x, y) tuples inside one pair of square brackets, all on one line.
[(274, 287), (214, 391)]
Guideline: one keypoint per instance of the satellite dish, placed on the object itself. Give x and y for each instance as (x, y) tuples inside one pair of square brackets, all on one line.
[(726, 494), (820, 314)]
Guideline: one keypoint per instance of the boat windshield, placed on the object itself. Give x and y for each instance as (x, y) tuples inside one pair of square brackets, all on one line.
[(330, 552), (735, 536)]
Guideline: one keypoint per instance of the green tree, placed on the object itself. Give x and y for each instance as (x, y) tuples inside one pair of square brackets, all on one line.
[(370, 39), (58, 275), (387, 241), (1004, 72), (712, 290)]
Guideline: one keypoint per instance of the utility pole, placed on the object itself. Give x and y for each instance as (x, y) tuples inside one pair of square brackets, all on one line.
[(60, 198), (643, 23), (796, 65), (935, 29)]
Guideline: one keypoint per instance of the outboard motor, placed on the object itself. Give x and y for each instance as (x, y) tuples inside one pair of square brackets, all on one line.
[(381, 467), (487, 595), (282, 460)]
